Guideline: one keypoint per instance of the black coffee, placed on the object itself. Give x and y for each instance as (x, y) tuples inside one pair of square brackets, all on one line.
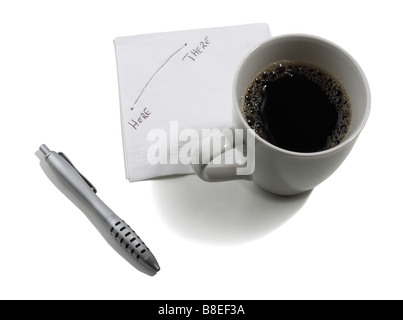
[(296, 106)]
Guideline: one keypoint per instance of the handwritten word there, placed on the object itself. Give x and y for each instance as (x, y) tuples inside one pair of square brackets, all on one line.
[(197, 51)]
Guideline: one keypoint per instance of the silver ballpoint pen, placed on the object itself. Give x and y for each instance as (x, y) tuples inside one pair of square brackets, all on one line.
[(115, 231)]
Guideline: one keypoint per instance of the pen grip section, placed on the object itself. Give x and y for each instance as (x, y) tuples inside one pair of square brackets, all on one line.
[(128, 239)]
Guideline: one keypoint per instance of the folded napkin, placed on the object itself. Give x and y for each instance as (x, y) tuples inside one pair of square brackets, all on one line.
[(172, 82)]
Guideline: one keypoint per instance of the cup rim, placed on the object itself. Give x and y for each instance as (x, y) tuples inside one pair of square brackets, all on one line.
[(296, 36)]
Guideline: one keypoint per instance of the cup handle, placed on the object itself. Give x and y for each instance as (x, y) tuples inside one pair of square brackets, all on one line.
[(204, 166)]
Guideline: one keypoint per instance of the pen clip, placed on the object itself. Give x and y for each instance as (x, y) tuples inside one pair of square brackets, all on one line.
[(84, 178)]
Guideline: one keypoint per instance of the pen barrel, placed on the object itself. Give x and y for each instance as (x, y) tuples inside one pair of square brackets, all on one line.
[(131, 242), (79, 187), (112, 224)]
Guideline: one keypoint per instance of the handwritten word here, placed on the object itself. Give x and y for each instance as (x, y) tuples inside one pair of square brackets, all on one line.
[(141, 118), (197, 51)]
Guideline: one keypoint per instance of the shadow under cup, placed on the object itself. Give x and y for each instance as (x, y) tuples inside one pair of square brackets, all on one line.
[(290, 165)]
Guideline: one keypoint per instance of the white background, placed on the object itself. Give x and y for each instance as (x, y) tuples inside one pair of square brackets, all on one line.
[(213, 241)]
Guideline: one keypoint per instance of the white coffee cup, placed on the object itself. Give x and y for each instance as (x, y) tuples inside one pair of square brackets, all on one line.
[(278, 170)]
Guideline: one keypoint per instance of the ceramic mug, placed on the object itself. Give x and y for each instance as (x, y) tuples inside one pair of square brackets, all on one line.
[(278, 170)]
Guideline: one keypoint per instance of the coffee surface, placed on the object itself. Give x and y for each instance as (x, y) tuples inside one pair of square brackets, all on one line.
[(298, 107)]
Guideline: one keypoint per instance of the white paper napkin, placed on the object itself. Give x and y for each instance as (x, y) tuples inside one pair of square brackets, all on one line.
[(170, 82)]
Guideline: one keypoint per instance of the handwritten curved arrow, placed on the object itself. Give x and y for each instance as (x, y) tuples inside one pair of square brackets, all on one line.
[(149, 80)]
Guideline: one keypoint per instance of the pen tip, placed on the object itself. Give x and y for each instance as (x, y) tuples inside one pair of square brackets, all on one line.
[(156, 266), (153, 264)]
